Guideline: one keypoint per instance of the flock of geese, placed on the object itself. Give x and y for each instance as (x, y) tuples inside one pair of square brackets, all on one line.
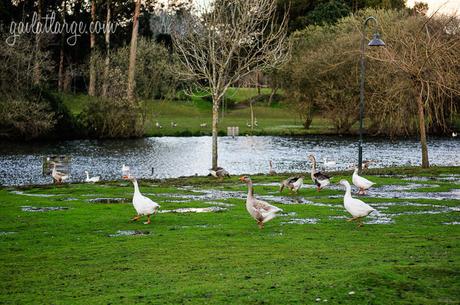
[(260, 210)]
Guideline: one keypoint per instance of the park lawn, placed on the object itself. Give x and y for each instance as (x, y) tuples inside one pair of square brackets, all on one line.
[(277, 119), (67, 257)]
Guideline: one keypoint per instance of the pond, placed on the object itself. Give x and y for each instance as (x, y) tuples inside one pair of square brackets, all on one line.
[(168, 157)]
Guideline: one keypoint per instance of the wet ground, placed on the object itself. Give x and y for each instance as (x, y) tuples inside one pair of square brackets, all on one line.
[(170, 157)]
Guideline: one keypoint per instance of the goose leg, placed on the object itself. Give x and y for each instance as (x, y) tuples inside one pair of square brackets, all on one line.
[(136, 218), (318, 188), (360, 222), (261, 224), (148, 220), (352, 219)]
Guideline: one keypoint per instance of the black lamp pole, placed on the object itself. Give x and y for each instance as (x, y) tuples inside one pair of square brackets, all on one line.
[(375, 42)]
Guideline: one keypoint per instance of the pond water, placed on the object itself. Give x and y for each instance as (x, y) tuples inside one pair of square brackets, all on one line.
[(169, 157)]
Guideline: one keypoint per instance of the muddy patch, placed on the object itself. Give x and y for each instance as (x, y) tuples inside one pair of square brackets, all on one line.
[(212, 209), (108, 200), (32, 195), (301, 221), (42, 209), (129, 233)]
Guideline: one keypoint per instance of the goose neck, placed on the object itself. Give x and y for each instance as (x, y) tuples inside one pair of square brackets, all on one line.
[(250, 190), (136, 187)]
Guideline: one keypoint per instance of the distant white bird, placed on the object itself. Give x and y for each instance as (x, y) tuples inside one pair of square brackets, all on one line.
[(329, 163), (158, 125), (357, 208), (173, 124), (202, 125), (92, 179), (255, 123), (249, 125), (260, 210), (360, 182), (454, 134), (144, 206)]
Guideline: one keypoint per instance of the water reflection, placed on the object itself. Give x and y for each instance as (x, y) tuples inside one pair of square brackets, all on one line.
[(183, 156)]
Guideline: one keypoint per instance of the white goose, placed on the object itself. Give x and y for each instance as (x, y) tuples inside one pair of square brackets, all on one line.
[(357, 208), (144, 206), (321, 180), (92, 179), (260, 210), (360, 182), (58, 177)]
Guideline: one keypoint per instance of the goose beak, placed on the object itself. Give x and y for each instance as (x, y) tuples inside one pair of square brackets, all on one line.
[(125, 177), (241, 178)]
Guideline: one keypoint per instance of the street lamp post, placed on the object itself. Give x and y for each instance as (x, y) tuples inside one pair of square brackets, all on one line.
[(375, 42)]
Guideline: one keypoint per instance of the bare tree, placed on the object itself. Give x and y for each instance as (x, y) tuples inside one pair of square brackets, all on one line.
[(133, 50), (229, 40), (107, 48), (426, 55), (92, 40)]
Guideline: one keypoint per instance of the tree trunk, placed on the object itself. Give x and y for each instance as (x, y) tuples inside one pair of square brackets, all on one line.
[(252, 114), (421, 123), (272, 94), (258, 82), (61, 53), (37, 70), (133, 50), (215, 119), (92, 40), (107, 55)]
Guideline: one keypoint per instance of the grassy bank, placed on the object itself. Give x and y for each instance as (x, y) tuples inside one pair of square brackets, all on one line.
[(276, 119), (69, 257)]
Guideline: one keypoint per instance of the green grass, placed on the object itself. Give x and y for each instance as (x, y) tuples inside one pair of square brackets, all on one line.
[(277, 119), (66, 257)]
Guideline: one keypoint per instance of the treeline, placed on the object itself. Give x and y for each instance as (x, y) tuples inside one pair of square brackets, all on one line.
[(419, 66), (413, 81)]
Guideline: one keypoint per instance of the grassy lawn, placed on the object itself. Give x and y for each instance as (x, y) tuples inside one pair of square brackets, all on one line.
[(277, 119), (68, 257)]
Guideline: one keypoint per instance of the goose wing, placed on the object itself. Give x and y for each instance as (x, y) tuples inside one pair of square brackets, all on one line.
[(321, 176), (264, 207)]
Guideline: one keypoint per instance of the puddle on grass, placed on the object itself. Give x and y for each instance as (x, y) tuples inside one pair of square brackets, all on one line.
[(129, 233), (32, 195), (195, 210), (42, 209), (301, 221), (108, 200), (2, 233)]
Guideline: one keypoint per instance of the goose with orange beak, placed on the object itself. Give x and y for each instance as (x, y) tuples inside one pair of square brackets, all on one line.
[(260, 210), (144, 206)]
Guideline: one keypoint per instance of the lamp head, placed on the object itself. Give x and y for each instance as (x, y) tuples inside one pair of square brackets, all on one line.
[(376, 41)]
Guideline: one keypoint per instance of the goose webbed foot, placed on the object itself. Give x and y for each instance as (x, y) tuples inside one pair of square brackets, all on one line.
[(148, 220), (136, 218)]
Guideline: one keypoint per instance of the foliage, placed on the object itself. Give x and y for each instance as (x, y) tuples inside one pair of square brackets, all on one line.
[(156, 70), (27, 110), (303, 13), (114, 116), (419, 59)]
